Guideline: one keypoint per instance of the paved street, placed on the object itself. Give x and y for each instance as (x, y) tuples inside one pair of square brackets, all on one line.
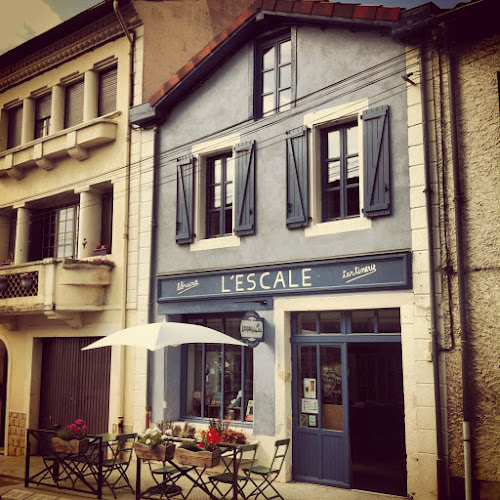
[(12, 488)]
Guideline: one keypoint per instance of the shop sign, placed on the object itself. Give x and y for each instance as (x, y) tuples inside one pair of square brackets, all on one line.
[(252, 328), (390, 271)]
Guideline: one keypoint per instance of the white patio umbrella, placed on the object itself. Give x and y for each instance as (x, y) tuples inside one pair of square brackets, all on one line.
[(154, 336)]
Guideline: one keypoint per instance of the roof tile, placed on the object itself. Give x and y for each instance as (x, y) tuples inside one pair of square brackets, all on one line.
[(283, 6), (304, 7), (343, 10), (268, 4), (388, 14), (364, 12), (323, 9)]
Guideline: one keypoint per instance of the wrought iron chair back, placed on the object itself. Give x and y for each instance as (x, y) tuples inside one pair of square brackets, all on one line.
[(245, 453), (118, 460), (262, 477)]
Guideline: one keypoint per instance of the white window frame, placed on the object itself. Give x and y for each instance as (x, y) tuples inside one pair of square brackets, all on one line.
[(201, 152), (316, 122)]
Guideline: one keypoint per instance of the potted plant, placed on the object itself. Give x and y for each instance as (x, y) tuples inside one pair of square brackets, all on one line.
[(71, 439), (205, 454), (26, 280), (153, 445), (101, 249)]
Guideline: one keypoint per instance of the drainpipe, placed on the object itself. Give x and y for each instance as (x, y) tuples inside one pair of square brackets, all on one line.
[(442, 482), (466, 401), (152, 269), (123, 308)]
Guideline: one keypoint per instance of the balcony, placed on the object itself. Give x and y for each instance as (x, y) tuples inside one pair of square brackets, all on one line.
[(75, 142), (59, 289)]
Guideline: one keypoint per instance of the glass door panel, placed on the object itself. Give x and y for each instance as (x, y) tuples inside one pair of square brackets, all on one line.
[(307, 402), (331, 388)]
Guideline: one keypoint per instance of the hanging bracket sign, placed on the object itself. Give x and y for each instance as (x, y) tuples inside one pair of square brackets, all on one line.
[(252, 329)]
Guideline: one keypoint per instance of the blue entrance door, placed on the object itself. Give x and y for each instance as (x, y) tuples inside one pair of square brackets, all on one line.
[(320, 414)]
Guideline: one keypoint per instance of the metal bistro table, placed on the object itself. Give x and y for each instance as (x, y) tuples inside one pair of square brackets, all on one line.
[(77, 471)]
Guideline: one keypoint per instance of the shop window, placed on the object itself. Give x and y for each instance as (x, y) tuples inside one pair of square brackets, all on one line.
[(14, 127), (107, 91), (54, 232), (42, 115), (274, 83), (73, 108), (358, 321), (219, 378)]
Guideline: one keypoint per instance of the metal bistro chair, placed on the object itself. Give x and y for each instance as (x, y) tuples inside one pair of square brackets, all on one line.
[(245, 453), (262, 477), (120, 452), (169, 476)]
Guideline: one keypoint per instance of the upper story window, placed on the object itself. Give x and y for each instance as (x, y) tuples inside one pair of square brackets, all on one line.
[(54, 232), (107, 91), (15, 122), (42, 116), (340, 172), (222, 189), (220, 172), (73, 106), (274, 86)]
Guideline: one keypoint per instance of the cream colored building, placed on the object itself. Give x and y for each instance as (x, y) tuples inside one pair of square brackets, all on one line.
[(73, 177)]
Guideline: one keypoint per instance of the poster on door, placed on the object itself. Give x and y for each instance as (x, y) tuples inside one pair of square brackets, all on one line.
[(310, 388)]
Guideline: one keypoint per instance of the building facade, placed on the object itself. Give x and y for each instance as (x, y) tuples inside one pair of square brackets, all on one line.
[(282, 199), (455, 59)]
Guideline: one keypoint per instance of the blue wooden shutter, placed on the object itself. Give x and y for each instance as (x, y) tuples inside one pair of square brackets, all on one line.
[(297, 175), (244, 196), (185, 201), (376, 164)]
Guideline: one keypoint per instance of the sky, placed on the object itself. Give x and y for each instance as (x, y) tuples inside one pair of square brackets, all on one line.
[(22, 20)]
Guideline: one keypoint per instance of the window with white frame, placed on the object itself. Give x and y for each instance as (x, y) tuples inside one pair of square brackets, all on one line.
[(219, 195), (338, 170), (274, 82), (216, 195)]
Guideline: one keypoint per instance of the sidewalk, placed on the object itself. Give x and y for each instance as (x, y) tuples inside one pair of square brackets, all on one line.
[(12, 488)]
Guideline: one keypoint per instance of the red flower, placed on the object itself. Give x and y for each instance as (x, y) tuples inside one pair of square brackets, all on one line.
[(79, 421), (84, 428)]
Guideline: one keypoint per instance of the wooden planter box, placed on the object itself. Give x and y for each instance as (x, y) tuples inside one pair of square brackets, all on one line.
[(160, 452), (198, 458), (73, 446)]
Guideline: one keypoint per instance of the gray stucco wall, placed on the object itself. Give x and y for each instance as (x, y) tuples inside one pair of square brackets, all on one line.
[(324, 58), (223, 102)]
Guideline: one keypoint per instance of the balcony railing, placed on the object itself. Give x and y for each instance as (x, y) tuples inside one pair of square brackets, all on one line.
[(55, 288)]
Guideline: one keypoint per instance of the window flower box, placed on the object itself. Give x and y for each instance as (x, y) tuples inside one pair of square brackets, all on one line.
[(159, 452), (72, 446), (202, 458), (101, 250)]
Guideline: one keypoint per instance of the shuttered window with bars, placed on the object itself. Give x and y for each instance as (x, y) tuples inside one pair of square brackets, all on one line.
[(42, 115), (107, 91), (15, 121), (73, 113)]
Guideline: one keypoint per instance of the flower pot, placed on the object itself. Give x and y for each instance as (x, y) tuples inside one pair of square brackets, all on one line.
[(159, 452), (73, 446), (26, 282), (198, 458), (4, 284), (101, 251)]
